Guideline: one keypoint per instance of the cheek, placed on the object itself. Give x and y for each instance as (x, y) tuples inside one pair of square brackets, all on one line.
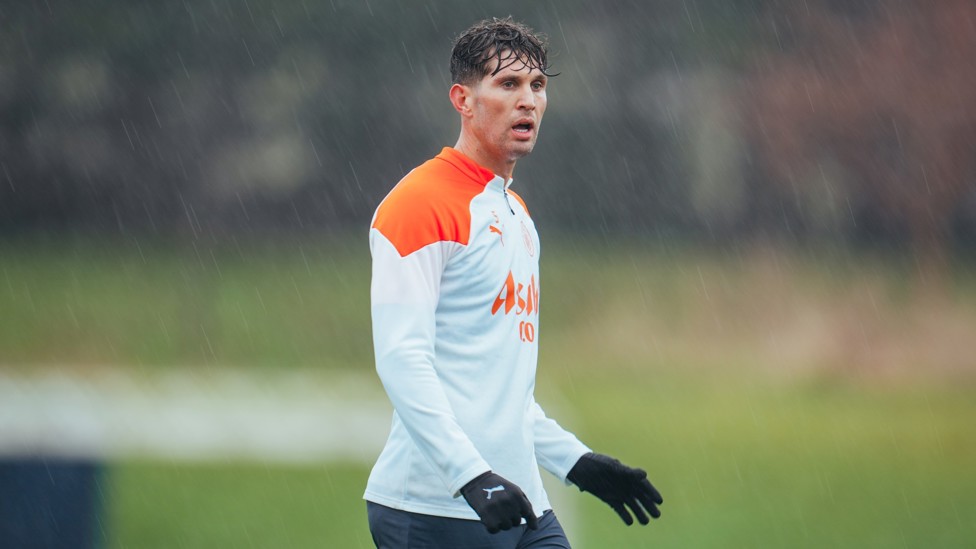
[(482, 118), (489, 115)]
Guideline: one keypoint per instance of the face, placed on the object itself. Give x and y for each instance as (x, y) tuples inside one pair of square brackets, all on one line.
[(507, 111)]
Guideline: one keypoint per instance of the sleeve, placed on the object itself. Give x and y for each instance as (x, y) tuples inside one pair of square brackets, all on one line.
[(404, 294), (556, 449)]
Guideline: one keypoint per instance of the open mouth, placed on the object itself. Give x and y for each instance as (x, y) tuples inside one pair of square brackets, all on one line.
[(523, 127)]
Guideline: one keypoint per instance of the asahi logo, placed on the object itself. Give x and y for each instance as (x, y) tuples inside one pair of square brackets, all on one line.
[(520, 299)]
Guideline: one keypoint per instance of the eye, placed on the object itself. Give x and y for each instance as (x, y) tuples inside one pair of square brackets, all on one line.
[(538, 85), (508, 84)]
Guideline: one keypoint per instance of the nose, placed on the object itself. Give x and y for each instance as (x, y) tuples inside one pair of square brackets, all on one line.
[(526, 99)]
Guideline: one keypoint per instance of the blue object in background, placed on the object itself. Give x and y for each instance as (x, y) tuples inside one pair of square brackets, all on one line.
[(49, 503)]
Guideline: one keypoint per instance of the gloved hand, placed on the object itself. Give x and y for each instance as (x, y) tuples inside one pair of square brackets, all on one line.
[(617, 485), (500, 504)]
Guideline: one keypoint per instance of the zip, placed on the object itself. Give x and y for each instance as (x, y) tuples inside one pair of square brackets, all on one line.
[(507, 201)]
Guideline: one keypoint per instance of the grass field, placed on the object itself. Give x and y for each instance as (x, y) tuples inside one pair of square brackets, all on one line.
[(776, 399), (740, 465)]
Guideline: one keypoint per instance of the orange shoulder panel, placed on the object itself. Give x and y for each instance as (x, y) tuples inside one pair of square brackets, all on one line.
[(431, 204), (522, 202)]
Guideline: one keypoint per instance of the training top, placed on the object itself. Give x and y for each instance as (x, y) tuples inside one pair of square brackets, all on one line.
[(455, 308)]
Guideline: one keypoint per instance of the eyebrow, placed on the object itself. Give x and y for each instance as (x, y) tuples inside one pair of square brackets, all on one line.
[(520, 75)]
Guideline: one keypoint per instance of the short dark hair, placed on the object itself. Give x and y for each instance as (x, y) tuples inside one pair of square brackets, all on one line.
[(492, 45)]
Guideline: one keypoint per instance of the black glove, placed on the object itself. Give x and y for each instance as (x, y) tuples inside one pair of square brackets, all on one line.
[(500, 504), (617, 485)]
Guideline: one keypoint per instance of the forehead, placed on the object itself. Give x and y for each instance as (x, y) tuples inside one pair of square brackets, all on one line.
[(509, 64)]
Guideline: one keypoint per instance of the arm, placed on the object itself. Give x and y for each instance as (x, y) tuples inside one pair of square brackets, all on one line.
[(556, 449), (404, 293), (619, 486)]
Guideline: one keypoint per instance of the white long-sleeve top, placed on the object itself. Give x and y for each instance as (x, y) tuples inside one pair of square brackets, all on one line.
[(455, 309)]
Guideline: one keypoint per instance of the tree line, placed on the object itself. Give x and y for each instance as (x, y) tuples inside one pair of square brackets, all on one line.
[(705, 120)]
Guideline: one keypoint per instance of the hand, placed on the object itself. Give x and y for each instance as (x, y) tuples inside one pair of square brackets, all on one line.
[(617, 485), (500, 504)]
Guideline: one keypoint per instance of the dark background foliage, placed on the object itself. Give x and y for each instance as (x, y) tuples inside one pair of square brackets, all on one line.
[(702, 119)]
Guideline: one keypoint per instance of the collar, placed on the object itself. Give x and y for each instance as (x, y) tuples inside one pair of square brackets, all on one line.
[(471, 168)]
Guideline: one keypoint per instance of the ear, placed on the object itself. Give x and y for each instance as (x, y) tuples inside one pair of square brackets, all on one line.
[(461, 98)]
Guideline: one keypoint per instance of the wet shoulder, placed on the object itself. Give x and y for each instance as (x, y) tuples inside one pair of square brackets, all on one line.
[(430, 204)]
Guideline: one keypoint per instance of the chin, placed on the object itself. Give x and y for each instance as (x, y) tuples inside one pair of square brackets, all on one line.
[(522, 149)]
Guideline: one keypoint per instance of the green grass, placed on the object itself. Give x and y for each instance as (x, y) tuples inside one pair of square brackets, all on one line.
[(270, 305), (165, 505), (288, 303), (741, 463), (776, 399)]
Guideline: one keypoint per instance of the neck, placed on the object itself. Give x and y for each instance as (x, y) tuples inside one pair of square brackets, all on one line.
[(473, 150)]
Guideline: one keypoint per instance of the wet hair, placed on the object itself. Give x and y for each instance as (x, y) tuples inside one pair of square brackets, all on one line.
[(492, 45)]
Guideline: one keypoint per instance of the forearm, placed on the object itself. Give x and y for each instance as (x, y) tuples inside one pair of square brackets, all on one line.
[(416, 393), (556, 449)]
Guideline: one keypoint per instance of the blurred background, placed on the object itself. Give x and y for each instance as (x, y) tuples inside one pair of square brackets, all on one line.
[(758, 220)]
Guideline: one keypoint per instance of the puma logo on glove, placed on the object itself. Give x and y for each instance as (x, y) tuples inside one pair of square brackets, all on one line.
[(504, 511), (498, 488)]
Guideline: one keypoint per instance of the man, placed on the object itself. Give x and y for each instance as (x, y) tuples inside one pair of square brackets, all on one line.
[(455, 307)]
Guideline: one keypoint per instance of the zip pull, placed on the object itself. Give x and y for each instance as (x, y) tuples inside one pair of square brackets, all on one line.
[(508, 200)]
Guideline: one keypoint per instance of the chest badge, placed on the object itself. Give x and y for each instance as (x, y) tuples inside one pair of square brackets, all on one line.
[(527, 240)]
